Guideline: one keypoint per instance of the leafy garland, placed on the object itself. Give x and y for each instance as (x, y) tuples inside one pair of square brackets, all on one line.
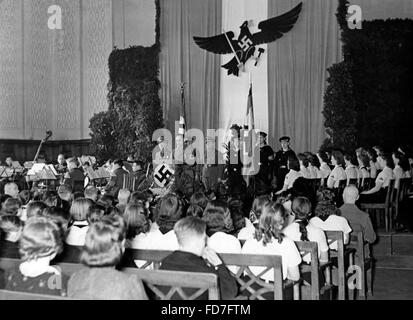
[(134, 105), (368, 100)]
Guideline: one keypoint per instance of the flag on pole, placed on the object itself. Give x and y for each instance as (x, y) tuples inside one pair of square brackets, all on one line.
[(182, 118), (249, 123)]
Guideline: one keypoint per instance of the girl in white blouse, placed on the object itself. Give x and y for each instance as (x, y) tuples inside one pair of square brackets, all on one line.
[(305, 172), (338, 173), (373, 163), (378, 193), (314, 166), (324, 167), (363, 162), (351, 168), (269, 240), (294, 173)]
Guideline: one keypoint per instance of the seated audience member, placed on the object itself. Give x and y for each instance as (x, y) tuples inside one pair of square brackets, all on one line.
[(35, 209), (379, 192), (74, 178), (11, 189), (364, 164), (66, 197), (10, 231), (137, 226), (92, 193), (294, 173), (338, 173), (199, 199), (59, 216), (40, 242), (305, 172), (194, 256), (50, 199), (95, 213), (103, 250), (123, 199), (194, 210), (373, 164), (401, 167), (252, 223), (314, 166), (11, 206), (324, 167), (79, 226), (301, 230), (117, 177), (270, 240), (163, 237), (357, 219), (351, 168), (327, 217), (3, 199), (219, 228)]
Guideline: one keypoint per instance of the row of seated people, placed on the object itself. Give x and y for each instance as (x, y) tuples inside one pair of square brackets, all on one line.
[(195, 234)]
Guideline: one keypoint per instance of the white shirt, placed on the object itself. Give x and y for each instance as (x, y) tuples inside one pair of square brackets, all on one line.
[(247, 232), (305, 172), (156, 240), (351, 172), (76, 235), (291, 177), (333, 223), (315, 173), (287, 250), (325, 170), (336, 175), (314, 234), (139, 242), (384, 177), (222, 242)]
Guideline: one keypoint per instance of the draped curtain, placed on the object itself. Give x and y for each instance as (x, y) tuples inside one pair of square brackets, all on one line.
[(297, 72), (182, 61)]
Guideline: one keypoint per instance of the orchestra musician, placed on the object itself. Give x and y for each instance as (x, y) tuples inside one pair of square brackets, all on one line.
[(74, 178), (61, 166), (116, 179)]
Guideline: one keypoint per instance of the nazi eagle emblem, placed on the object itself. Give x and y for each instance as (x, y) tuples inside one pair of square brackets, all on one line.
[(245, 46)]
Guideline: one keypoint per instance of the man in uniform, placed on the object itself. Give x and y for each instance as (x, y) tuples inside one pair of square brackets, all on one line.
[(265, 173), (116, 179), (281, 161)]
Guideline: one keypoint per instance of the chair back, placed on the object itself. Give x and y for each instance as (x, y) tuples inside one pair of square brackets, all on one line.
[(176, 285), (353, 182), (391, 191), (337, 236), (305, 248), (14, 295)]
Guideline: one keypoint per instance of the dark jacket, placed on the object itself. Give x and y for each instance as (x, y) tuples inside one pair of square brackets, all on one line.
[(75, 179), (185, 261), (116, 182)]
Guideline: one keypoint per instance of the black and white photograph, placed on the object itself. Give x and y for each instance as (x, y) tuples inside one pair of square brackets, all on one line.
[(206, 154)]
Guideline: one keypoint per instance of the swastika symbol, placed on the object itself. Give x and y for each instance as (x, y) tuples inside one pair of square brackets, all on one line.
[(162, 175), (245, 43)]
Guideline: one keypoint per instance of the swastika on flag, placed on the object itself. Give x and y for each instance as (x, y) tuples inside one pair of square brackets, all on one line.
[(163, 175)]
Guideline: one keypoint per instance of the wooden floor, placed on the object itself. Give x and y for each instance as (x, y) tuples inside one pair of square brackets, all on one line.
[(394, 267)]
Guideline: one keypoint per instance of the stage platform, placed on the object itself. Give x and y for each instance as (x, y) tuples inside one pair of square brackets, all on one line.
[(394, 251)]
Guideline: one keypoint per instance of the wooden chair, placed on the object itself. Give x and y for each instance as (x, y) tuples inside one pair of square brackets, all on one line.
[(315, 184), (13, 295), (364, 262), (243, 262), (177, 284), (311, 248), (337, 236), (398, 196), (353, 182), (382, 207), (173, 279), (366, 184)]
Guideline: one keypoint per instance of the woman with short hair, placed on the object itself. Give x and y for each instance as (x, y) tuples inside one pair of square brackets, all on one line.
[(40, 242), (338, 173), (79, 225), (103, 250)]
